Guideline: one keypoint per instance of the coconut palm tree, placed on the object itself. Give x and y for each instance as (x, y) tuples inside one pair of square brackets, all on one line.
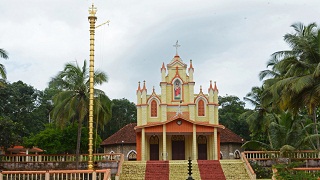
[(3, 74), (287, 133), (296, 86), (71, 104), (260, 117)]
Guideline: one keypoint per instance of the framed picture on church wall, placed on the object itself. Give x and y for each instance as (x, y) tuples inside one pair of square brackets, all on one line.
[(177, 90)]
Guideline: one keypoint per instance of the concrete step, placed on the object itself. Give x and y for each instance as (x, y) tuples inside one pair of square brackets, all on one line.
[(210, 169), (157, 170), (234, 170), (133, 170)]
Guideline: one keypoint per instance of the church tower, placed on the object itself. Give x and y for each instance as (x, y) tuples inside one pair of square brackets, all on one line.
[(177, 123)]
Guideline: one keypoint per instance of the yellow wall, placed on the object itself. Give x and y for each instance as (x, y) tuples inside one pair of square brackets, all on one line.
[(167, 105)]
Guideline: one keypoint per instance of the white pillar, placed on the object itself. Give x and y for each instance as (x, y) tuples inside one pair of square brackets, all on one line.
[(27, 153), (143, 145), (194, 142), (164, 144), (215, 144)]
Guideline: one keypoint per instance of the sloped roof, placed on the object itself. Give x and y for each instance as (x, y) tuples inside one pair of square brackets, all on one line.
[(128, 135), (227, 136), (21, 149), (173, 116), (125, 134)]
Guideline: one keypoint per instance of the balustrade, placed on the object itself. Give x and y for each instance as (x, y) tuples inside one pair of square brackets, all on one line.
[(103, 174), (58, 157)]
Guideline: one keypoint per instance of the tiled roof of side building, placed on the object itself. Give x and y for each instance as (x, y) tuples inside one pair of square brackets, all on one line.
[(227, 136), (126, 134)]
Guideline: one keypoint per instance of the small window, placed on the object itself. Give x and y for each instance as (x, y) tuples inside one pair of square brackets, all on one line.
[(132, 156), (201, 108), (153, 108)]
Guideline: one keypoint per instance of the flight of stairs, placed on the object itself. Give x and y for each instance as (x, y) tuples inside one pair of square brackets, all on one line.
[(133, 170), (234, 170), (210, 169), (157, 170), (178, 170)]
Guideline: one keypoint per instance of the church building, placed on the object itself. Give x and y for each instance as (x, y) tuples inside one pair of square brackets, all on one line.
[(178, 123)]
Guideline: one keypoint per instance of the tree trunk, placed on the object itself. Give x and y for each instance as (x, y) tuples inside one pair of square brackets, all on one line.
[(78, 144), (314, 117), (307, 134)]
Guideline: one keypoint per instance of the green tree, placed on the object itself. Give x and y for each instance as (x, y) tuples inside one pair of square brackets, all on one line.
[(260, 117), (286, 133), (71, 104), (4, 55), (10, 132), (231, 107), (20, 103), (55, 140), (123, 112), (297, 84)]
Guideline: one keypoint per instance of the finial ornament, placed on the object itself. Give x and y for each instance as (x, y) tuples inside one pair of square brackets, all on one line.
[(92, 10), (215, 86), (144, 85), (176, 46), (139, 86)]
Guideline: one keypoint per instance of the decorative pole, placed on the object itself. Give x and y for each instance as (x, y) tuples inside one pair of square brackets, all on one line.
[(189, 169), (92, 20)]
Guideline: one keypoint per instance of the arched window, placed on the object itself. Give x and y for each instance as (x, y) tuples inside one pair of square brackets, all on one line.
[(153, 108), (236, 154), (201, 108), (132, 155), (177, 89)]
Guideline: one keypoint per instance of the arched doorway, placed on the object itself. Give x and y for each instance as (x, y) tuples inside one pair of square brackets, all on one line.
[(202, 147), (154, 147), (178, 147)]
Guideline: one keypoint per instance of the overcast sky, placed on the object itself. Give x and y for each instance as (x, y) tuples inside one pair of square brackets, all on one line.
[(229, 41)]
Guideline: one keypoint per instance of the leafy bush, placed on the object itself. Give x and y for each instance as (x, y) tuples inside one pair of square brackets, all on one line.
[(261, 172), (286, 172)]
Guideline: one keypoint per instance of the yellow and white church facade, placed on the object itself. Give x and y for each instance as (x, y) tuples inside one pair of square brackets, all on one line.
[(178, 123)]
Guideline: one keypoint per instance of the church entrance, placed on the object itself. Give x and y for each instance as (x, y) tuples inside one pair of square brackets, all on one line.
[(154, 147), (178, 147), (202, 147)]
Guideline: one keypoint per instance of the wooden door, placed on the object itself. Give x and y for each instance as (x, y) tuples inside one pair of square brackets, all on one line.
[(202, 151), (178, 148), (202, 147), (154, 147), (154, 151)]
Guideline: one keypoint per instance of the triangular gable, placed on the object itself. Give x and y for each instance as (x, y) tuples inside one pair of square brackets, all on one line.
[(174, 119), (177, 60)]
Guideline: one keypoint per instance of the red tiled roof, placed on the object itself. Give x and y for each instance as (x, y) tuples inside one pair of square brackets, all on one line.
[(128, 135), (227, 136), (125, 134), (184, 116)]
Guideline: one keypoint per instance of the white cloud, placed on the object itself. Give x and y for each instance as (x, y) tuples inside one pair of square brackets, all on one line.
[(228, 41)]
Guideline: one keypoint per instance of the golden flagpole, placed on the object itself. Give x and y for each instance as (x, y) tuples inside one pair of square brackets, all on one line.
[(92, 20)]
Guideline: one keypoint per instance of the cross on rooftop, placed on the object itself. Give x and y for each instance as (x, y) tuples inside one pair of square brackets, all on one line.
[(176, 46)]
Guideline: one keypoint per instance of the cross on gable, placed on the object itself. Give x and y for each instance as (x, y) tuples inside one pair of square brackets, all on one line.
[(176, 46)]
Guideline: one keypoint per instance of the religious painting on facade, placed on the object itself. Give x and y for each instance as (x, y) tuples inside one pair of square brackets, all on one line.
[(177, 90)]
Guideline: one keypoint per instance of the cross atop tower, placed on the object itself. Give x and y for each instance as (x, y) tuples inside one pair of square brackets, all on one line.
[(176, 46)]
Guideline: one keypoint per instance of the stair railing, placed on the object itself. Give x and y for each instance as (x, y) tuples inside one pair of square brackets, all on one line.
[(248, 167), (120, 167)]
